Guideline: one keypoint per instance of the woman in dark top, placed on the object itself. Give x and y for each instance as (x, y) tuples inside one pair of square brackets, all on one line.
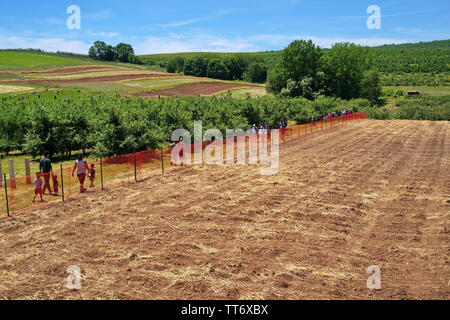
[(45, 167)]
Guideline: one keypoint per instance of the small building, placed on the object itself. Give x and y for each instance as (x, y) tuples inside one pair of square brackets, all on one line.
[(414, 93)]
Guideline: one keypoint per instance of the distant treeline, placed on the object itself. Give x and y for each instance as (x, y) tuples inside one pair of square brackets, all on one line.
[(61, 54), (123, 52), (415, 79), (252, 67), (424, 108), (424, 63)]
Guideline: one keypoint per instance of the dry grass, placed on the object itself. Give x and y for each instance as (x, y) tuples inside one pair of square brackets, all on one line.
[(13, 89), (368, 193)]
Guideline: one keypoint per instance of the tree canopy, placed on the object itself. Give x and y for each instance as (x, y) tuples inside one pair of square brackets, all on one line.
[(123, 52), (345, 71)]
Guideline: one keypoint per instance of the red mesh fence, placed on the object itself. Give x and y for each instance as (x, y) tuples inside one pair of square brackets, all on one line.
[(18, 194)]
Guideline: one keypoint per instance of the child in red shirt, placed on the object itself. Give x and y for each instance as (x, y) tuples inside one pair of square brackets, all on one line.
[(92, 175), (38, 187)]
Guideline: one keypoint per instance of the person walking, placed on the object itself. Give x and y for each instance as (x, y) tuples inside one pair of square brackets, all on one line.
[(178, 147), (38, 187), (82, 168), (45, 167), (92, 175)]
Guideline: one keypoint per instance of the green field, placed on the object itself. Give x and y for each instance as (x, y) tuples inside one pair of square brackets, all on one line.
[(22, 61), (425, 90), (12, 89), (14, 61)]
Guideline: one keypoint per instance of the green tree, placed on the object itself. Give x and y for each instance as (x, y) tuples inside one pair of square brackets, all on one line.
[(256, 72), (101, 51), (171, 66), (345, 65), (301, 59), (370, 87), (217, 69), (124, 53), (197, 67), (277, 80), (236, 67)]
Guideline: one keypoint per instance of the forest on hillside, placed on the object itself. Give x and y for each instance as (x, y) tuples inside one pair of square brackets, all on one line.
[(423, 63)]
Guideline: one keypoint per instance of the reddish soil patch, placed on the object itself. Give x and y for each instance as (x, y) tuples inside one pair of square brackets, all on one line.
[(197, 89), (96, 79), (72, 70), (367, 193)]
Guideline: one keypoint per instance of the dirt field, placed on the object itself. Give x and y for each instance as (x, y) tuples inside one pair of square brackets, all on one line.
[(197, 89), (368, 193), (95, 79), (75, 69)]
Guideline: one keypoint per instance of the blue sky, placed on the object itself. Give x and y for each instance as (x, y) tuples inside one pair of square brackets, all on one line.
[(231, 26)]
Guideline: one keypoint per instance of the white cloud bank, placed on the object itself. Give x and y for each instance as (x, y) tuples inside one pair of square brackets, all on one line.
[(199, 43), (47, 44), (173, 43), (324, 42), (177, 43)]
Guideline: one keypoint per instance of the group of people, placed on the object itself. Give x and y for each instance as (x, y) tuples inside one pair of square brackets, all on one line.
[(265, 128), (332, 115), (261, 130), (81, 167)]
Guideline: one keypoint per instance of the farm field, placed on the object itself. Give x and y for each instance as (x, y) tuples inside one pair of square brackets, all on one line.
[(436, 91), (12, 89), (18, 61), (197, 89), (344, 199), (24, 72)]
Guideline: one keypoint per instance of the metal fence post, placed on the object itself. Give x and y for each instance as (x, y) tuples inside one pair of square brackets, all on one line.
[(162, 159), (101, 172), (135, 169), (28, 171), (62, 183), (6, 194), (12, 174)]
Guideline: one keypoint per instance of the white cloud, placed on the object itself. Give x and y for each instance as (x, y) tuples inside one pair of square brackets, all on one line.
[(408, 30), (175, 42), (55, 21), (97, 16), (198, 43), (103, 34), (284, 40), (194, 20), (383, 15), (50, 44)]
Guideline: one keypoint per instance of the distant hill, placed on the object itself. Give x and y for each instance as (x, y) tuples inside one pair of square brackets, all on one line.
[(13, 61), (418, 45), (35, 59), (423, 57)]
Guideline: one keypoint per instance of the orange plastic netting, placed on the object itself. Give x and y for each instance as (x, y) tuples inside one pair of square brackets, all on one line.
[(134, 167)]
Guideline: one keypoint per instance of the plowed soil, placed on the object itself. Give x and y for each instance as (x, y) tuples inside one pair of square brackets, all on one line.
[(96, 79), (367, 193), (75, 69), (68, 70), (196, 89)]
